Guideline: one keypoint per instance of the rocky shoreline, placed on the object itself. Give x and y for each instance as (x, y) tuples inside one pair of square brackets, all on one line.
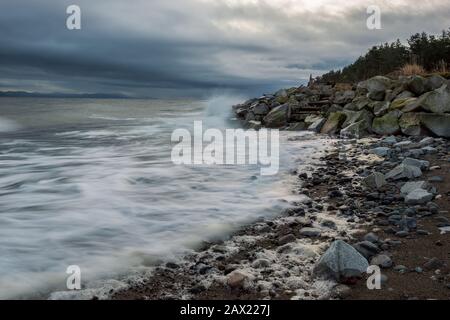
[(413, 106), (348, 199), (377, 197)]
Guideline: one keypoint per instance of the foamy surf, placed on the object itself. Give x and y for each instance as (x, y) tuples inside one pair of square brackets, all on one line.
[(103, 194)]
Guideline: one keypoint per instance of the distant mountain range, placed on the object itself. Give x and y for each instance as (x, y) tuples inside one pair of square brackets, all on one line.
[(62, 95)]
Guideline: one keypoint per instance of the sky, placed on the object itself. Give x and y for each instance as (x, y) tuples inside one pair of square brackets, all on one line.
[(187, 48)]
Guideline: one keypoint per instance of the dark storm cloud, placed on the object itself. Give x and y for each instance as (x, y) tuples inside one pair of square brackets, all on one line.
[(189, 47)]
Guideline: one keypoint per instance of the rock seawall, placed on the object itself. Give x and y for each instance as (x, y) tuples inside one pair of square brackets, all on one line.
[(412, 106)]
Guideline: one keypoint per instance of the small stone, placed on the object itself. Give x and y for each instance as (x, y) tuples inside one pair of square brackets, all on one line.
[(423, 232), (400, 269), (237, 279), (404, 172), (310, 232), (402, 234), (436, 179), (367, 249), (287, 239), (418, 270), (413, 185), (341, 291), (375, 181), (390, 140), (382, 261), (371, 237), (433, 264), (426, 142), (429, 150), (172, 265), (381, 151), (418, 196), (261, 263)]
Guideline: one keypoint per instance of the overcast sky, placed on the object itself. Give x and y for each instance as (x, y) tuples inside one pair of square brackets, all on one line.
[(194, 47)]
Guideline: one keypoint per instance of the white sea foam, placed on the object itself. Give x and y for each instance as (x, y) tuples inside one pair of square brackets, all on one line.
[(106, 197)]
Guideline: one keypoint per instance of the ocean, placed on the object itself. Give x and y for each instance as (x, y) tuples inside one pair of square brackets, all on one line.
[(90, 182)]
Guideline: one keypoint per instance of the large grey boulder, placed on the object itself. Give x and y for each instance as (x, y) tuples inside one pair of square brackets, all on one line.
[(333, 123), (388, 124), (438, 124), (261, 109), (359, 103), (418, 196), (341, 261), (344, 97), (380, 108), (404, 172), (417, 85), (278, 117), (437, 101), (434, 82), (375, 181), (376, 87), (357, 116)]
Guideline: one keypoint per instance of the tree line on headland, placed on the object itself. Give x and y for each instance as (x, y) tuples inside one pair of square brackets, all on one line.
[(423, 53)]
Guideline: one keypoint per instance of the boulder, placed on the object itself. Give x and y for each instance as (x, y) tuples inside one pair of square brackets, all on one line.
[(357, 116), (261, 109), (418, 196), (403, 104), (437, 101), (434, 82), (380, 108), (388, 124), (333, 123), (360, 103), (278, 117), (344, 97), (317, 125), (375, 181), (404, 172), (416, 85), (356, 130), (410, 124), (405, 95), (281, 96), (241, 113), (341, 261), (376, 87), (438, 124)]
